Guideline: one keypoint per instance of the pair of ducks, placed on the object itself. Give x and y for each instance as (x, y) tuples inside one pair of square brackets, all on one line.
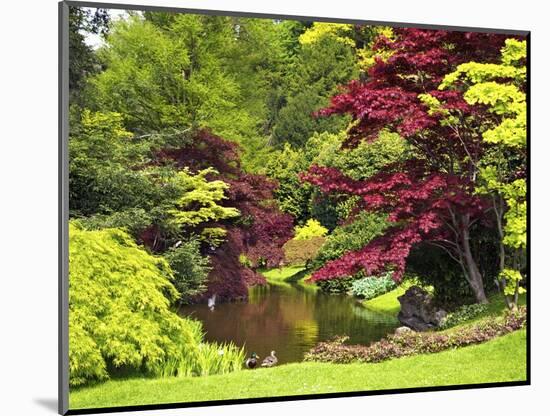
[(268, 361)]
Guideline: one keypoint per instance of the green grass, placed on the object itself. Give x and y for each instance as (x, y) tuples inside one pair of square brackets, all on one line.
[(281, 274), (287, 276), (502, 359), (386, 303)]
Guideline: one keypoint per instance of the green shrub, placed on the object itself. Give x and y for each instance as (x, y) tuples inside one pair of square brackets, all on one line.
[(120, 315), (463, 314), (301, 252), (190, 269), (312, 228), (336, 285), (372, 286), (119, 306), (353, 236), (133, 220)]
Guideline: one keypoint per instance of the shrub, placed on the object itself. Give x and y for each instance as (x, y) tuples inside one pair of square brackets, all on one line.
[(301, 252), (119, 306), (463, 314), (335, 286), (412, 343), (198, 358), (133, 220), (353, 236), (190, 269), (372, 286), (312, 228), (120, 315)]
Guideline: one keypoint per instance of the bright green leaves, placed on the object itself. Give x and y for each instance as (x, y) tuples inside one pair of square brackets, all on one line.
[(504, 99), (474, 73), (515, 228), (512, 67), (512, 278), (119, 306), (312, 228), (199, 200), (498, 86), (513, 193), (514, 52), (341, 32), (436, 108)]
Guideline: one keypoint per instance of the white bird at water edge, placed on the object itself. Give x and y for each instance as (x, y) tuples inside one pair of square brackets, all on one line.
[(212, 302)]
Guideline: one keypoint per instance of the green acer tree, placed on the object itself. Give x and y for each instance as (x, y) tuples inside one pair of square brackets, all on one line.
[(500, 89)]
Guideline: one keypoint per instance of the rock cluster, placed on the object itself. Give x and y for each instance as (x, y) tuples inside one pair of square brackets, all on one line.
[(418, 310)]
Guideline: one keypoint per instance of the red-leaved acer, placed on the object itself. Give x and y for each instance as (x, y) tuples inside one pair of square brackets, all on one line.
[(429, 198)]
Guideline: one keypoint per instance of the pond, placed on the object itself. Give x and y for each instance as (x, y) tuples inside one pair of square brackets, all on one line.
[(290, 319)]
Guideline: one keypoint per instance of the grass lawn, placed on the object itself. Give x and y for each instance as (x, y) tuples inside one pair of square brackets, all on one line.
[(285, 276), (281, 274), (502, 359), (386, 303)]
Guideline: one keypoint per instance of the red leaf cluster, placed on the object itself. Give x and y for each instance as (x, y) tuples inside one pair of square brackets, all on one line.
[(259, 232), (431, 195)]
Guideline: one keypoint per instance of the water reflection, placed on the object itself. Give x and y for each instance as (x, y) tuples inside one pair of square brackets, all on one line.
[(289, 319)]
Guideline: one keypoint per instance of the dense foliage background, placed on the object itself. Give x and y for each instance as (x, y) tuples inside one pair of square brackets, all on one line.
[(205, 148)]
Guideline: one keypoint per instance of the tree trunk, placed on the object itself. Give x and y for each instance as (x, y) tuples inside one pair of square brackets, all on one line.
[(471, 270), (498, 207)]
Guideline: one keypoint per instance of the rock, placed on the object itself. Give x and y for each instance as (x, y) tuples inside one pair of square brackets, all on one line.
[(402, 330), (418, 311)]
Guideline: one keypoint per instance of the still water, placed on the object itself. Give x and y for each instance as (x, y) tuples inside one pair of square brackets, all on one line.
[(289, 319)]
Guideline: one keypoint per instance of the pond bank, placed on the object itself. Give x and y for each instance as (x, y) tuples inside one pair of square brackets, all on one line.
[(289, 316)]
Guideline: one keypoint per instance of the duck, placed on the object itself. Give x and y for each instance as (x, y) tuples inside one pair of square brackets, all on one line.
[(252, 362), (270, 360)]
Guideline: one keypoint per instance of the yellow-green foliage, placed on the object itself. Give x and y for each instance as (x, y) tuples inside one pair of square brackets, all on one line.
[(119, 306), (312, 228), (339, 31), (500, 87), (120, 314), (512, 278), (367, 56), (505, 99), (199, 200)]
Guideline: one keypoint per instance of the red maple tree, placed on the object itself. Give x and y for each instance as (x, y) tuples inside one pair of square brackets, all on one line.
[(429, 198), (261, 229)]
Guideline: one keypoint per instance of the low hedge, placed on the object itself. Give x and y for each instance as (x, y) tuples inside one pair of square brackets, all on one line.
[(412, 343), (301, 252), (463, 314), (372, 286)]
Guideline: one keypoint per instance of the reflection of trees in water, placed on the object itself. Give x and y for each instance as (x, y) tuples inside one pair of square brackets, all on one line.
[(341, 315), (289, 319)]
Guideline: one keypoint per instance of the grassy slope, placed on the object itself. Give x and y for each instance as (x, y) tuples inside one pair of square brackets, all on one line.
[(502, 359), (287, 276), (387, 302)]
